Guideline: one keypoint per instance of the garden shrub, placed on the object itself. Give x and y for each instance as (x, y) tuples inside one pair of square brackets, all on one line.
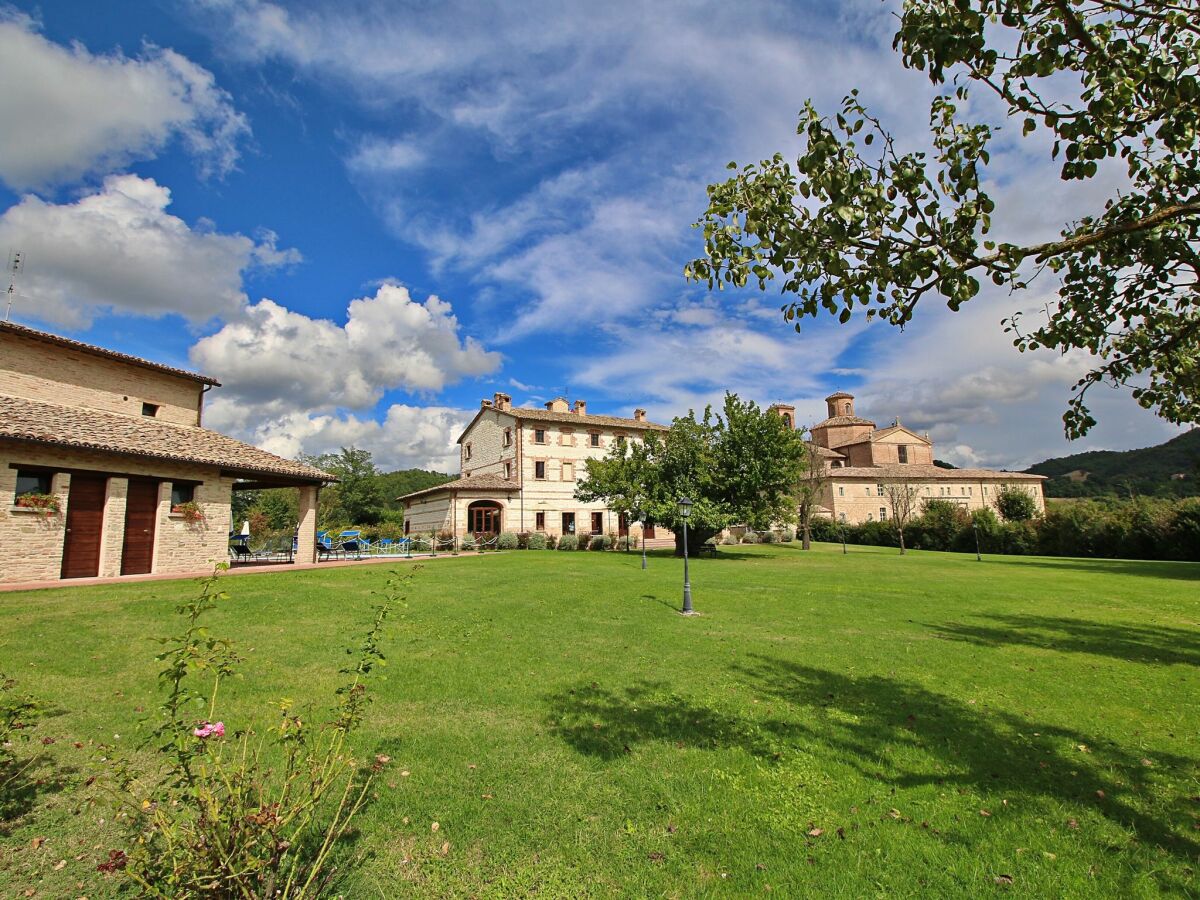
[(551, 541), (622, 543), (749, 538), (729, 539), (1015, 505), (248, 816), (601, 542), (568, 542), (767, 537), (467, 543), (507, 541), (523, 540), (536, 542), (583, 541), (787, 535)]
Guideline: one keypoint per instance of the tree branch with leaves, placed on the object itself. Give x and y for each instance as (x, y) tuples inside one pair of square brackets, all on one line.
[(854, 224)]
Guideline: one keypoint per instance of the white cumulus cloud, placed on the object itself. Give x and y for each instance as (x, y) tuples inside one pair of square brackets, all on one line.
[(292, 383), (120, 249), (68, 112)]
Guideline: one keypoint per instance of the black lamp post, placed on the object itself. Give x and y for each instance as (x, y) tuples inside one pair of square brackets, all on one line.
[(685, 510), (978, 555), (639, 516), (843, 531)]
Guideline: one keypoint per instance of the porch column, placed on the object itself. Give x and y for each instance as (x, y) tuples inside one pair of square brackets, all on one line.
[(306, 535)]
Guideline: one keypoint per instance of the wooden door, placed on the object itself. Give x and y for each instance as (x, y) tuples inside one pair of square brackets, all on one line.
[(85, 522), (648, 531), (141, 513)]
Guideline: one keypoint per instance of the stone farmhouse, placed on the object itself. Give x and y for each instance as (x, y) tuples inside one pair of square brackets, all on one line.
[(860, 460), (519, 471), (106, 470)]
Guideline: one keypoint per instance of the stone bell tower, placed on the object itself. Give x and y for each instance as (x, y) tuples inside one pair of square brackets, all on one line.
[(840, 404), (788, 413)]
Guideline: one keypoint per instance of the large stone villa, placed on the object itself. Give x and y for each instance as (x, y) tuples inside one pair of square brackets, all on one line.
[(519, 470), (861, 459), (520, 467), (106, 470)]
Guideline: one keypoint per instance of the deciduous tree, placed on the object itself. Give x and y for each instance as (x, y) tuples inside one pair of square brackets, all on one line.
[(860, 223)]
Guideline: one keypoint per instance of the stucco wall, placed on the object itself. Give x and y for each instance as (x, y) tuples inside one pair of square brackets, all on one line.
[(53, 374), (34, 543), (859, 500)]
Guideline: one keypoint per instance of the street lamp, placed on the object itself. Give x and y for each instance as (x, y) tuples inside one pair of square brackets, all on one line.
[(978, 555), (685, 510), (639, 516)]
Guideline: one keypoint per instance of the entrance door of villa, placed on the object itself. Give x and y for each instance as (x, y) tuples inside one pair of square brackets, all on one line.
[(622, 525), (141, 511), (85, 523), (484, 518)]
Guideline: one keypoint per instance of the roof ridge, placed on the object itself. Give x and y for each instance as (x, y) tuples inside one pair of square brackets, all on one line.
[(51, 338)]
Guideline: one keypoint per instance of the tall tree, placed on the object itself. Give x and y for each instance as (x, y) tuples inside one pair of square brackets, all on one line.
[(809, 492), (358, 497), (739, 466), (902, 496), (857, 223)]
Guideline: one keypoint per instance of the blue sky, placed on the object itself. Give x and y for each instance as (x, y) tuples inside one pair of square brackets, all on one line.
[(364, 217)]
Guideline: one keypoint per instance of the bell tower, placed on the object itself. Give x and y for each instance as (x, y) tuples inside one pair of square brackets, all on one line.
[(784, 411), (840, 404)]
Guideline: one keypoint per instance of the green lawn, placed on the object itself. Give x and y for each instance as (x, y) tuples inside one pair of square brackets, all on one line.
[(846, 726)]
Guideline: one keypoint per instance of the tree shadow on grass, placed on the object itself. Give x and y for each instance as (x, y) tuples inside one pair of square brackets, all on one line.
[(26, 781), (1179, 571), (982, 749), (1133, 643), (862, 722)]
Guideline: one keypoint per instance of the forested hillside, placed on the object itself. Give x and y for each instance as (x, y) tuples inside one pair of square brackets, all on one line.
[(1148, 471)]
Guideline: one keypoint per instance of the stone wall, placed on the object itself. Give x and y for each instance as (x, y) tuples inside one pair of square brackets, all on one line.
[(53, 374), (34, 542)]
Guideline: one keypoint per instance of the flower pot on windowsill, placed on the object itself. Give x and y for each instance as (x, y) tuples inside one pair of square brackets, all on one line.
[(42, 504), (190, 512)]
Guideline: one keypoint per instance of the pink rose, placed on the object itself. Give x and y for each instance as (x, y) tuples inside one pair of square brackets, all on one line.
[(219, 729)]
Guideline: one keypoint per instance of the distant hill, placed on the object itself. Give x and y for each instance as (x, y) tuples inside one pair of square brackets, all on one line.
[(405, 481), (1150, 471)]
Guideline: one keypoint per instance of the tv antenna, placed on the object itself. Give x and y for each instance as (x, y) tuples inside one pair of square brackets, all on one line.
[(16, 261)]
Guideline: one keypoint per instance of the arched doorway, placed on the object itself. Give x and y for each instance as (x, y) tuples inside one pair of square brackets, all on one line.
[(485, 517)]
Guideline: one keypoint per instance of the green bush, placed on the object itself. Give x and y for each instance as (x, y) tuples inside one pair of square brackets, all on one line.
[(568, 542), (729, 539), (768, 536), (536, 541), (1015, 505), (507, 541), (583, 541), (749, 538), (601, 542), (551, 541), (787, 535), (467, 543)]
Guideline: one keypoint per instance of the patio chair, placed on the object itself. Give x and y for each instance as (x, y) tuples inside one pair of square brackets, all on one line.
[(350, 541), (383, 545), (325, 547), (240, 551)]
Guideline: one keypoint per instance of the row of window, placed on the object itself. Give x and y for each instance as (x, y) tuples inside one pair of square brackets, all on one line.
[(595, 439), (38, 482), (943, 491)]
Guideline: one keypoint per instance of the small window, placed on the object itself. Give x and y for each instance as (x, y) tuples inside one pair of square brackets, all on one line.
[(150, 409), (32, 482), (508, 470), (182, 493), (539, 435), (597, 521), (902, 452), (870, 517), (847, 408), (883, 514), (539, 521), (841, 491), (879, 490), (970, 492), (539, 470), (407, 526), (466, 451), (594, 439), (507, 437)]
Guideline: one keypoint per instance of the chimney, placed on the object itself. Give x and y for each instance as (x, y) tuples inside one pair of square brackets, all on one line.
[(485, 404), (503, 402), (639, 415), (580, 408), (558, 404)]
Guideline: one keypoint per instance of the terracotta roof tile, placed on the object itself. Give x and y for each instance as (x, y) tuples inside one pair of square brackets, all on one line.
[(840, 395), (470, 483), (61, 341), (844, 420), (93, 429)]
